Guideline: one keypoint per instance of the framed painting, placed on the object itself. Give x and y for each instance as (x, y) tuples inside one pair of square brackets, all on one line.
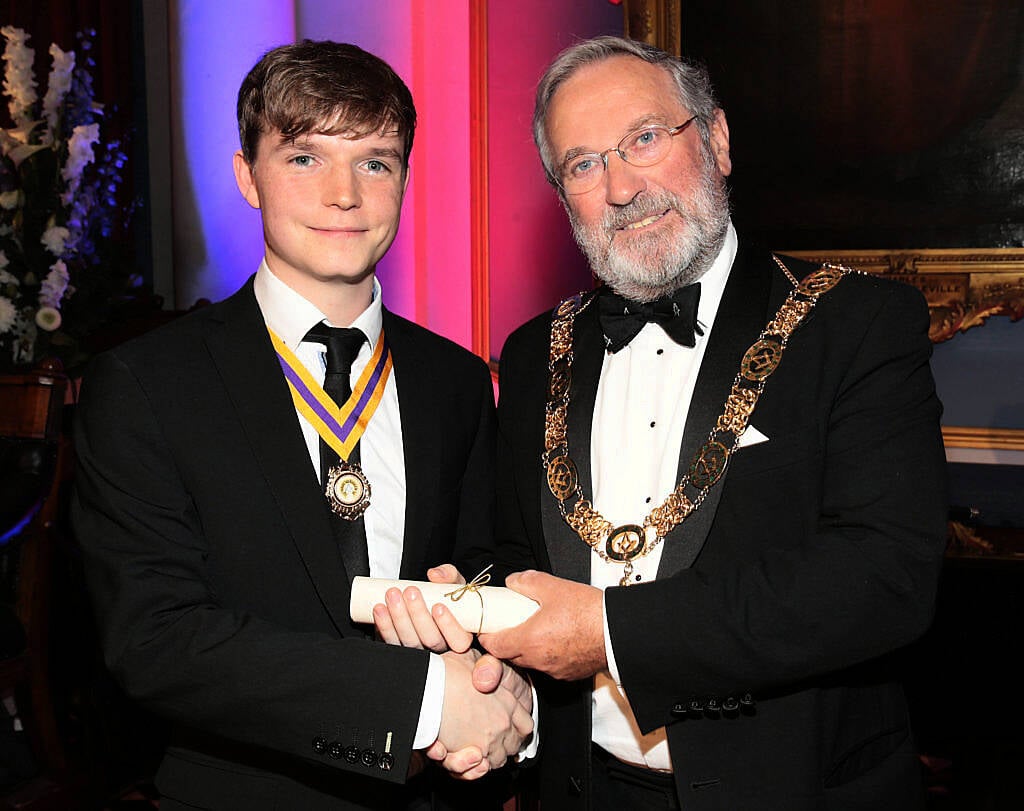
[(887, 135)]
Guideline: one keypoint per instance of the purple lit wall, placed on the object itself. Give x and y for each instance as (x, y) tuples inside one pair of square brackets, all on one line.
[(217, 239)]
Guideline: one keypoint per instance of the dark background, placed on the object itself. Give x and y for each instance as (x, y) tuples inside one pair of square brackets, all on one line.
[(870, 124)]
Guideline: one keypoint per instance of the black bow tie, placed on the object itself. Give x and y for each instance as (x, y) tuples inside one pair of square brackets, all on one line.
[(621, 319)]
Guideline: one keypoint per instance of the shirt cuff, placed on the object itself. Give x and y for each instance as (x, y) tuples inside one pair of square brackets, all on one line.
[(429, 725), (613, 668), (532, 744)]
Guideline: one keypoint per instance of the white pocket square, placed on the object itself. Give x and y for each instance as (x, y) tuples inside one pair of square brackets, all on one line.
[(751, 437)]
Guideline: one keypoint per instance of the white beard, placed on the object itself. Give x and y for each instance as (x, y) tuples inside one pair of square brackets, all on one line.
[(651, 264)]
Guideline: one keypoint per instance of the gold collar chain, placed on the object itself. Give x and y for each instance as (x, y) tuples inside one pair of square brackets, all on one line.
[(626, 543)]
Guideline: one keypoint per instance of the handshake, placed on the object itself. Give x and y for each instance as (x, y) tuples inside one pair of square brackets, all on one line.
[(487, 711)]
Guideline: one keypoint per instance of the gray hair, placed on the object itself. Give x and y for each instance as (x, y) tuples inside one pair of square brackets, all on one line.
[(691, 80)]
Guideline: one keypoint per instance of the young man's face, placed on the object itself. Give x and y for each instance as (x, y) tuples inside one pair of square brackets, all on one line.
[(330, 205)]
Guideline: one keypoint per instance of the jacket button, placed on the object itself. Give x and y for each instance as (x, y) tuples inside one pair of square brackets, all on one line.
[(368, 757), (575, 786), (713, 705), (730, 704), (351, 754), (335, 750), (319, 744), (747, 700), (386, 761), (678, 709), (696, 706)]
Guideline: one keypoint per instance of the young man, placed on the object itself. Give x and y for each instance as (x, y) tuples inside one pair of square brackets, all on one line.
[(230, 486)]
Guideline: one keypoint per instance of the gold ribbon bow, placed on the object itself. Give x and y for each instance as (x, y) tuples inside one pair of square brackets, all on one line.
[(473, 586)]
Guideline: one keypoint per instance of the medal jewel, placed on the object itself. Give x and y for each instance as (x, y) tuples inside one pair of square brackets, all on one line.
[(347, 491), (822, 280), (560, 379), (562, 477), (625, 542), (761, 359), (569, 305), (710, 465)]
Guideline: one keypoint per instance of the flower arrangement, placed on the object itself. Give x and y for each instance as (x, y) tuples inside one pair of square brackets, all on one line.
[(57, 207)]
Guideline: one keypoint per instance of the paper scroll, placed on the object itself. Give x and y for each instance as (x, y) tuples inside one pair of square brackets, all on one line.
[(479, 609)]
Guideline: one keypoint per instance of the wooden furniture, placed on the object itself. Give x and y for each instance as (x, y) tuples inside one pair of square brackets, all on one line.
[(32, 461)]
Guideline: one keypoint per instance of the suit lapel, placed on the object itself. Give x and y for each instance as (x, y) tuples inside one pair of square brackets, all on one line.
[(421, 438), (240, 347), (742, 314), (570, 556)]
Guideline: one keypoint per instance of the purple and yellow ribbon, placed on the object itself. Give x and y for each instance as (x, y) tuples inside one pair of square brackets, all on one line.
[(339, 426)]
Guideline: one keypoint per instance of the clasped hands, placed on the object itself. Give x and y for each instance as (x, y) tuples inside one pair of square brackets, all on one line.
[(488, 704)]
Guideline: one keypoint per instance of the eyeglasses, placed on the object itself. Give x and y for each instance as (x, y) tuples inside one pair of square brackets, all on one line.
[(643, 147)]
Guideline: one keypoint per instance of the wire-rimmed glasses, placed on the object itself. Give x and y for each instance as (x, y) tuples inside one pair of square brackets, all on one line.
[(645, 146)]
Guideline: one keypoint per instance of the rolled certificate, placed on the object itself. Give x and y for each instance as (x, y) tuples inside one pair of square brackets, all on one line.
[(478, 608)]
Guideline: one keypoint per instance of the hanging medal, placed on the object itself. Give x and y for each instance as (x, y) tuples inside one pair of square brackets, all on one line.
[(347, 489)]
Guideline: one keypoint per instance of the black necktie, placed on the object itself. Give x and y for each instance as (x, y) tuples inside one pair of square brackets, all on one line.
[(621, 319), (343, 346)]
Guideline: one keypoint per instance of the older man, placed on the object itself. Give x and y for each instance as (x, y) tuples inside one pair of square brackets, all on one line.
[(724, 473)]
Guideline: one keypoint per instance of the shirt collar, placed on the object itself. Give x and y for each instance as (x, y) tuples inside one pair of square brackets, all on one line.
[(712, 283), (290, 315)]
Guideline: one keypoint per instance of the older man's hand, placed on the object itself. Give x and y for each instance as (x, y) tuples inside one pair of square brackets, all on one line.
[(564, 638)]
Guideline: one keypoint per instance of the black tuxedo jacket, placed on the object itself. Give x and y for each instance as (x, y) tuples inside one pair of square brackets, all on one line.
[(221, 595), (761, 646)]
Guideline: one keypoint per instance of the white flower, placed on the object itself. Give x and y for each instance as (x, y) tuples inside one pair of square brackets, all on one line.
[(5, 277), (54, 238), (19, 80), (57, 86), (10, 199), (80, 155), (7, 314), (54, 286), (14, 143), (48, 318)]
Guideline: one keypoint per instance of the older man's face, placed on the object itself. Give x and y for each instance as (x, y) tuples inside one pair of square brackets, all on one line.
[(646, 230)]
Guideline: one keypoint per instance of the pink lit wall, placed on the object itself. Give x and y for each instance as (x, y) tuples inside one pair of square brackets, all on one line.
[(534, 262)]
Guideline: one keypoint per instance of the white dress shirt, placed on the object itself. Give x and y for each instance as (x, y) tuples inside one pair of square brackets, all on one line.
[(381, 452), (642, 401)]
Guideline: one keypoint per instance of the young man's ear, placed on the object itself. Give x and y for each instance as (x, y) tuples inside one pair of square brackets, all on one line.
[(245, 180)]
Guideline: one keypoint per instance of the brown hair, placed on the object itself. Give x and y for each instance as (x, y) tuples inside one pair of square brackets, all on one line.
[(327, 88)]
